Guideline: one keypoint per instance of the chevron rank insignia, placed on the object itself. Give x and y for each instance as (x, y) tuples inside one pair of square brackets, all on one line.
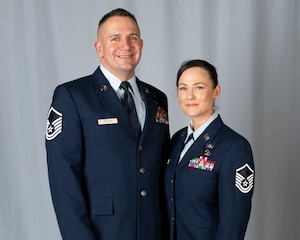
[(54, 124), (244, 178)]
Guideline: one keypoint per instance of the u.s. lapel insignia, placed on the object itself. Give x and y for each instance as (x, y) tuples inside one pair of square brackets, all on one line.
[(206, 136), (103, 88), (244, 178), (54, 124)]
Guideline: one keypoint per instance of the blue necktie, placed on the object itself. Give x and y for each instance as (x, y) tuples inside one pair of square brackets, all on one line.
[(191, 137), (129, 106)]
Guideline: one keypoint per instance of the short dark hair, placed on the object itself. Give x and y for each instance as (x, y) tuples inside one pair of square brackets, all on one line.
[(201, 64), (117, 12)]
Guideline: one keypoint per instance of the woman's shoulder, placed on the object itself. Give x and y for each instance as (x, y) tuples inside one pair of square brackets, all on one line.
[(179, 133)]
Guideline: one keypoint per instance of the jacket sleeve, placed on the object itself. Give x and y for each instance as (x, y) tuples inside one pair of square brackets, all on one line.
[(236, 182), (65, 156)]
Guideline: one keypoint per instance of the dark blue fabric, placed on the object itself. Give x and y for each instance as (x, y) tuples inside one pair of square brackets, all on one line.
[(94, 163), (205, 204)]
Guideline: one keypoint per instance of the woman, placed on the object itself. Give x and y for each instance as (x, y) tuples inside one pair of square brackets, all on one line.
[(209, 177)]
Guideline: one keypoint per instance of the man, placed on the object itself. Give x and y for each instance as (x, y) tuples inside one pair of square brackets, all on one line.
[(104, 176)]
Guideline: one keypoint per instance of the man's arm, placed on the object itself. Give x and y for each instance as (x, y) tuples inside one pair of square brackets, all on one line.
[(65, 156)]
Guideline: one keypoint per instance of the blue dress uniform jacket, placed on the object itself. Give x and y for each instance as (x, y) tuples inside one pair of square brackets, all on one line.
[(105, 182), (208, 193)]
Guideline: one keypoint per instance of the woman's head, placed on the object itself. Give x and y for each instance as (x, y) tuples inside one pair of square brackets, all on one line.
[(197, 89), (201, 64)]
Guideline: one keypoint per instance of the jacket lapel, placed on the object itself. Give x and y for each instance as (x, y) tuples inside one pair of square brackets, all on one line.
[(193, 151), (109, 100), (151, 108), (176, 149), (199, 146)]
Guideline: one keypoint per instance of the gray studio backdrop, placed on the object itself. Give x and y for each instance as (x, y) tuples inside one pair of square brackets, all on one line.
[(254, 44)]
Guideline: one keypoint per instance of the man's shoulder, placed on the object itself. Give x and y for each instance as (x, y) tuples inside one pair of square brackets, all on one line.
[(79, 81), (154, 90), (82, 82), (82, 85)]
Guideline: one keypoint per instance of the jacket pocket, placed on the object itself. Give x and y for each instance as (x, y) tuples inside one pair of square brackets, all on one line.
[(207, 233), (101, 206)]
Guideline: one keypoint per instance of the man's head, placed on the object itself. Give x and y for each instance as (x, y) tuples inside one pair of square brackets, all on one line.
[(119, 45)]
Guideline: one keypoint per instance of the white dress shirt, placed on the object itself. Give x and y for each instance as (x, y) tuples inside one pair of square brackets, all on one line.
[(138, 101), (196, 133)]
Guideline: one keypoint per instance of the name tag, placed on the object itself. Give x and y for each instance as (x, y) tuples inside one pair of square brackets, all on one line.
[(106, 121)]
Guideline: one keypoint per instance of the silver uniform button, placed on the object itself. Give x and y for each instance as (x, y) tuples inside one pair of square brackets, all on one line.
[(142, 170), (144, 193)]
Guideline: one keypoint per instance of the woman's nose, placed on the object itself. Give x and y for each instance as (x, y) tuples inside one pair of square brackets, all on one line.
[(190, 94)]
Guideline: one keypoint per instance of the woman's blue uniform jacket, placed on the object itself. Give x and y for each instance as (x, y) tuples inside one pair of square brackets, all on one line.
[(208, 194)]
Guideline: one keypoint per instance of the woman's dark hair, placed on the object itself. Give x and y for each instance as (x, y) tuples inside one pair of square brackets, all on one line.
[(201, 64)]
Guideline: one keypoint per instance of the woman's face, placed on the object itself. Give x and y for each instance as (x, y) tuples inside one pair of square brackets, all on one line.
[(196, 95)]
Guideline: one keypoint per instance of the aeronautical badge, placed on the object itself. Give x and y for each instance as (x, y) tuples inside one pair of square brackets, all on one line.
[(54, 124), (161, 116), (244, 178)]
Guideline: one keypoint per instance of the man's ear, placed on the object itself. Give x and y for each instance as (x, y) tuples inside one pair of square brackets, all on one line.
[(98, 48)]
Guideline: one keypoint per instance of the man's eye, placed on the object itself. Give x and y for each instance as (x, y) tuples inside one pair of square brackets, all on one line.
[(134, 38), (182, 88)]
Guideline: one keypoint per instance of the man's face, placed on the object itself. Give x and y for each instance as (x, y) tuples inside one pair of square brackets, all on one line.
[(119, 46)]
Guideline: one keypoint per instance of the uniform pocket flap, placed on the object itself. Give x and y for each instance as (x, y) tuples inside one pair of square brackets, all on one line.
[(101, 206)]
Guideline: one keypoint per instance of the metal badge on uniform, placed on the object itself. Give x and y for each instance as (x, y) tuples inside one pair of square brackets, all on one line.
[(244, 178), (107, 121), (202, 163), (206, 137), (54, 124), (147, 90), (103, 88), (208, 148), (207, 152)]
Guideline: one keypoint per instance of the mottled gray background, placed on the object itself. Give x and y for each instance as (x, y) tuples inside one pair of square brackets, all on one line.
[(255, 46)]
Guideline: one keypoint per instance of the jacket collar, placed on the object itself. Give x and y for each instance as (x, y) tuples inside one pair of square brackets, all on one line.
[(198, 147), (109, 100)]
